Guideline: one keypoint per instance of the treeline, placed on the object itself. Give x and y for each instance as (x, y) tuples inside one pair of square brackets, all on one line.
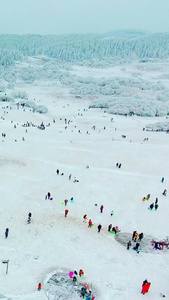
[(74, 48)]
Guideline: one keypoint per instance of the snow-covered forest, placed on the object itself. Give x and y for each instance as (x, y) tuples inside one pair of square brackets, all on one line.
[(85, 47), (133, 69)]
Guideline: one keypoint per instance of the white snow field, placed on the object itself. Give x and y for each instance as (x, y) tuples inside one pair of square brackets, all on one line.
[(53, 243)]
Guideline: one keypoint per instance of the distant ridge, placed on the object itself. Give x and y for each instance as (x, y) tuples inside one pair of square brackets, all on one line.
[(126, 32)]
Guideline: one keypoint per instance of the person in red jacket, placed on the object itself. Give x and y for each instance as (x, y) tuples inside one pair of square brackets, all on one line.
[(145, 287), (81, 272), (39, 287), (66, 212), (90, 223)]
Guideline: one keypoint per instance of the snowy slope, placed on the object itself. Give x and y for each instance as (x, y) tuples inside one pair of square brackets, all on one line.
[(52, 242)]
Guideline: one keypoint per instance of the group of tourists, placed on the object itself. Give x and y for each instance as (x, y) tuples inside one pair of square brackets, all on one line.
[(136, 238)]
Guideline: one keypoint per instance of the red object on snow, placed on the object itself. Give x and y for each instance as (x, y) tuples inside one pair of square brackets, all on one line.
[(90, 223), (66, 212), (145, 287), (148, 286)]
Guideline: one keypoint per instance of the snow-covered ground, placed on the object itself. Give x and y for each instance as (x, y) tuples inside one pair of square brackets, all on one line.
[(52, 242)]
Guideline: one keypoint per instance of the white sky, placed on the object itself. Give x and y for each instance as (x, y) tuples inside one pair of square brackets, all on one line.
[(82, 16)]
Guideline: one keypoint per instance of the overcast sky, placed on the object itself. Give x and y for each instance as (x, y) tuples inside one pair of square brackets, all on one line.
[(82, 16)]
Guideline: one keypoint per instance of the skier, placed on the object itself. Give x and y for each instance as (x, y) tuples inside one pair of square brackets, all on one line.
[(70, 176), (119, 166), (81, 272), (74, 278), (99, 227), (136, 236), (165, 192), (57, 171), (128, 245), (83, 292), (66, 201), (90, 223), (85, 218), (39, 286), (156, 201), (109, 227), (114, 230), (101, 208), (156, 245), (134, 232), (66, 212), (112, 213), (156, 206), (141, 235), (145, 287), (48, 195), (151, 206), (30, 214), (6, 232), (137, 247), (162, 180), (148, 196), (71, 199)]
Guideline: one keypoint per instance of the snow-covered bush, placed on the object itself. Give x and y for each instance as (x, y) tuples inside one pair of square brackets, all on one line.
[(5, 98), (27, 103), (20, 94), (42, 109), (132, 106)]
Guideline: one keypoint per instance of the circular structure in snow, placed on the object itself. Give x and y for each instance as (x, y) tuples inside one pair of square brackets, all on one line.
[(61, 286)]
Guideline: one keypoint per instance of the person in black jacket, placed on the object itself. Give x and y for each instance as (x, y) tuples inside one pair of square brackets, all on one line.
[(141, 235), (133, 236), (151, 206), (156, 206), (6, 232), (99, 227), (128, 245)]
